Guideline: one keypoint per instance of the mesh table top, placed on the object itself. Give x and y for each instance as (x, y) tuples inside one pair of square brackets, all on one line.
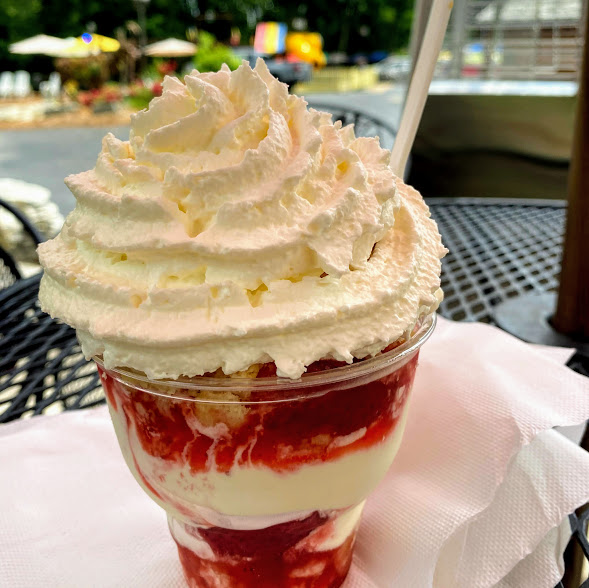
[(499, 249)]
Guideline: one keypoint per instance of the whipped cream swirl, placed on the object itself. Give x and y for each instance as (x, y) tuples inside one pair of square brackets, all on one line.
[(236, 226)]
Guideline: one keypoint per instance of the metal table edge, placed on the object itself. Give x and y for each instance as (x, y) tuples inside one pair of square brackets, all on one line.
[(491, 201)]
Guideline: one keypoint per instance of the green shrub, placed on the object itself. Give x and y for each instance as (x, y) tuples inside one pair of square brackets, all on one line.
[(212, 55), (88, 72), (139, 95)]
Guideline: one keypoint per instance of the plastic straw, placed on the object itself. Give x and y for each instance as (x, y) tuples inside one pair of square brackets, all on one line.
[(419, 86)]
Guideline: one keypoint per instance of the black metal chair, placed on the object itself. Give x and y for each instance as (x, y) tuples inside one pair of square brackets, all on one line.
[(365, 124), (9, 272)]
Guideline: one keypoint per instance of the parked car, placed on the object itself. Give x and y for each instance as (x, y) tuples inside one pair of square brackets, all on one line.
[(286, 69), (395, 67)]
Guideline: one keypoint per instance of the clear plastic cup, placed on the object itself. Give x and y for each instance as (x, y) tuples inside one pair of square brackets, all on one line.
[(263, 478)]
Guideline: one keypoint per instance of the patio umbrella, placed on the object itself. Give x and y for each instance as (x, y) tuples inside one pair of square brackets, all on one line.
[(87, 45), (171, 48), (39, 45)]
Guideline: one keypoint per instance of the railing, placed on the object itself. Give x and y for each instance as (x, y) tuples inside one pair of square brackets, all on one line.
[(529, 39)]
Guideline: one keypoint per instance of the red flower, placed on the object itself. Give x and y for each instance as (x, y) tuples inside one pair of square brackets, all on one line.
[(112, 95), (85, 98), (167, 67)]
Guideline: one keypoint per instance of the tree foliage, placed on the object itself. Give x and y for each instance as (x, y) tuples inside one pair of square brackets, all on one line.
[(20, 19), (352, 26), (346, 25), (17, 19)]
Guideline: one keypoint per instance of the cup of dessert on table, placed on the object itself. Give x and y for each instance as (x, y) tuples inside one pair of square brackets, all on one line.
[(255, 285)]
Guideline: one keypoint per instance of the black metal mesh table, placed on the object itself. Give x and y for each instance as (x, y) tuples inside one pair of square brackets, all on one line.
[(499, 249)]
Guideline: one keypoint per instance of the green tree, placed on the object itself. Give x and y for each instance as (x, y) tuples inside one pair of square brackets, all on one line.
[(19, 19), (168, 18), (352, 25), (69, 18)]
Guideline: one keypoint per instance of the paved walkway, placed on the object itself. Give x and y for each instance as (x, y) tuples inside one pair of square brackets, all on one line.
[(46, 156)]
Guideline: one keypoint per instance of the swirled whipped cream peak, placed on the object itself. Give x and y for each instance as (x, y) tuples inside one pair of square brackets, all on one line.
[(236, 226)]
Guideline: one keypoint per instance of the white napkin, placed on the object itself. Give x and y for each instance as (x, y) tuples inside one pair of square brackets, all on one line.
[(477, 497)]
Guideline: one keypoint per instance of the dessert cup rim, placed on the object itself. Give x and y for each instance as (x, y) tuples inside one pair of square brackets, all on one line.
[(320, 380)]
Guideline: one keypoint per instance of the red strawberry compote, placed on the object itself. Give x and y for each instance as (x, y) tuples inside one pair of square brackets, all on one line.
[(264, 478), (294, 553)]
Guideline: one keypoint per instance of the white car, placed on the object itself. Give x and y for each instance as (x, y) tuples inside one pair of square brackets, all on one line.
[(394, 67)]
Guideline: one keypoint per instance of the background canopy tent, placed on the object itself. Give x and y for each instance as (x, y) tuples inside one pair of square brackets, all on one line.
[(171, 48), (40, 45)]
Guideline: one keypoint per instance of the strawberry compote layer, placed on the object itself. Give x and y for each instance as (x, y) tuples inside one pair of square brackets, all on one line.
[(264, 487), (315, 550)]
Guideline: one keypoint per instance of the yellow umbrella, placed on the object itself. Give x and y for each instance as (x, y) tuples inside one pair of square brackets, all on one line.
[(89, 44)]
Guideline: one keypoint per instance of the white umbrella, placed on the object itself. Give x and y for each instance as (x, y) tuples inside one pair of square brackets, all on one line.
[(171, 48), (39, 45)]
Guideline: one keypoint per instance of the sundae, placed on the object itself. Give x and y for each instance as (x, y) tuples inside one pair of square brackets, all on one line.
[(254, 284)]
